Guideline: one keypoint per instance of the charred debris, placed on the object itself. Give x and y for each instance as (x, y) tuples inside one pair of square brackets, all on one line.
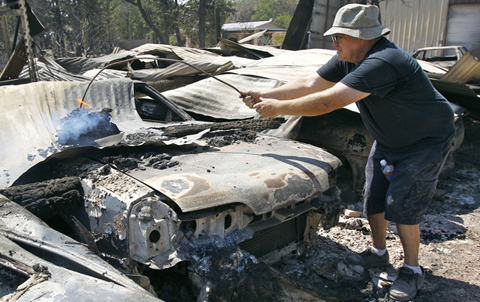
[(150, 197), (152, 176), (134, 188)]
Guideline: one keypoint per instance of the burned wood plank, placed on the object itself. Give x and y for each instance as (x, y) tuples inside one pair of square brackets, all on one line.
[(45, 199), (255, 125)]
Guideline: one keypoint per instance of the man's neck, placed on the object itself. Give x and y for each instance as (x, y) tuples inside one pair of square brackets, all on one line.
[(365, 47)]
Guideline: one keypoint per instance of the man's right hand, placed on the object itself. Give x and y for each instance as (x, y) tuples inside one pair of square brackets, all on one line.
[(250, 98)]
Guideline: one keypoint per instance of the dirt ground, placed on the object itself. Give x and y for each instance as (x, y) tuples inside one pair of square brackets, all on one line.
[(449, 252)]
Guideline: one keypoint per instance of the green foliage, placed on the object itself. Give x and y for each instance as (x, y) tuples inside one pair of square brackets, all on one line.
[(280, 11), (272, 9), (127, 23), (277, 39), (283, 20), (189, 19), (244, 9)]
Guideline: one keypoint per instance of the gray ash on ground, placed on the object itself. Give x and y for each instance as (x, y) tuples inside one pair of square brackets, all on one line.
[(140, 138), (83, 126), (225, 138)]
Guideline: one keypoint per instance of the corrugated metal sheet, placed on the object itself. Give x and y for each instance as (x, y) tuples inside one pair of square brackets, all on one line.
[(32, 113), (209, 97), (464, 25), (212, 98), (183, 68), (465, 71), (415, 24), (248, 26)]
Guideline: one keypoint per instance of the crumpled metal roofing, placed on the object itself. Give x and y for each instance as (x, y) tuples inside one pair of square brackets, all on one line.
[(19, 225), (31, 118), (186, 53), (465, 71), (209, 97), (183, 68), (80, 65), (49, 70)]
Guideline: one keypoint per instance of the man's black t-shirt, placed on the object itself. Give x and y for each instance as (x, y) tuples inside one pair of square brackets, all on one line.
[(404, 109)]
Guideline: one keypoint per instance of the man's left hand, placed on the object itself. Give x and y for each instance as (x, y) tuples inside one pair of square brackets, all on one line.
[(267, 107)]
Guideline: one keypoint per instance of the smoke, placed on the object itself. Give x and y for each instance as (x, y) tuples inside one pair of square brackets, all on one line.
[(83, 126)]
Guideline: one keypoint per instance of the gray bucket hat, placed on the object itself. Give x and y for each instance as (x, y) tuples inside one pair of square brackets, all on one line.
[(359, 21)]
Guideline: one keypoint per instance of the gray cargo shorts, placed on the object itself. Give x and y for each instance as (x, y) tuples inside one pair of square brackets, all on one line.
[(406, 197)]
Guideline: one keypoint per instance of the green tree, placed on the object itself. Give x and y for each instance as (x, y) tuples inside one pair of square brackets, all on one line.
[(244, 9), (127, 23), (204, 23), (281, 11)]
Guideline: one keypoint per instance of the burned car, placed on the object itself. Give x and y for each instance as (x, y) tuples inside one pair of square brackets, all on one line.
[(155, 184)]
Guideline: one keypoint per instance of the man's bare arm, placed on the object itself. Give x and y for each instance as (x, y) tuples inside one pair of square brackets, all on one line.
[(313, 104), (291, 90)]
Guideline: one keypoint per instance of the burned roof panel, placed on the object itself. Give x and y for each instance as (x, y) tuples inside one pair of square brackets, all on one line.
[(33, 114)]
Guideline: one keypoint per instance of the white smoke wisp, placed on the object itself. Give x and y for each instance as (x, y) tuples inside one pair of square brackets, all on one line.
[(84, 126)]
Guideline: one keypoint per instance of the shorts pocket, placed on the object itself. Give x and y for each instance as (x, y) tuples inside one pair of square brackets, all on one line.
[(421, 196)]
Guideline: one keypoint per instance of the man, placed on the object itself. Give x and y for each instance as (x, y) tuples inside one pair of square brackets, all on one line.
[(412, 124)]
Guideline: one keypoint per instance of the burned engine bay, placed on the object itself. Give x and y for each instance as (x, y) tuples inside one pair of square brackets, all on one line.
[(142, 194)]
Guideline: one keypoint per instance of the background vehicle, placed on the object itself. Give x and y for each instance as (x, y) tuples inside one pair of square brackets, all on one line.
[(444, 56)]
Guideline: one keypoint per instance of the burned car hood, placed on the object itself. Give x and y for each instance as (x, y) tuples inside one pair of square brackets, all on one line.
[(263, 174)]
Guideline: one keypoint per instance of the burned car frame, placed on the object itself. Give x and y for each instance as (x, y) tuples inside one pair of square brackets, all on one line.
[(155, 184)]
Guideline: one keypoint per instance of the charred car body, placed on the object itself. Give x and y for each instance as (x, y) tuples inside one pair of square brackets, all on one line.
[(151, 191)]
